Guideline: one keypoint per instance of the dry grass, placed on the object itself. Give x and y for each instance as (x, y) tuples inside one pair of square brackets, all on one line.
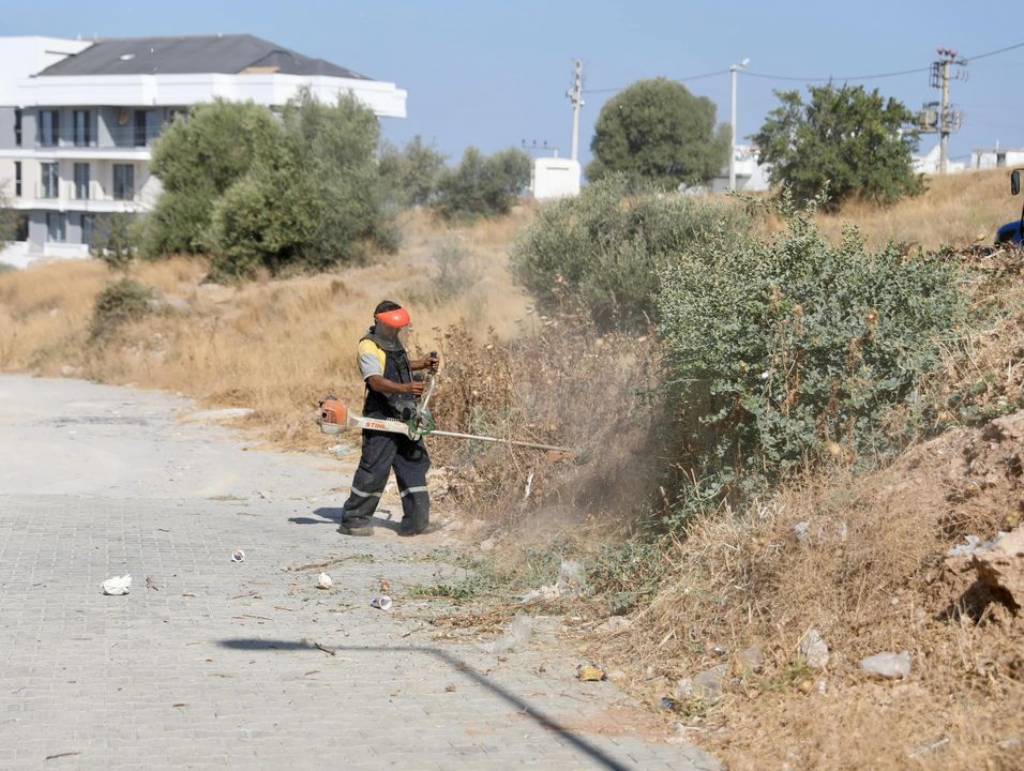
[(957, 210), (870, 576), (273, 345)]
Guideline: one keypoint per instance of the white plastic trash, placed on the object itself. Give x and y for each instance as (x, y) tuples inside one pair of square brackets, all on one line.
[(381, 603), (117, 585), (238, 556), (324, 581)]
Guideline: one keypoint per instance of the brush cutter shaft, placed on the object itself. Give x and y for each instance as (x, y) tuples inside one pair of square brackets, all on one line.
[(334, 416), (516, 442)]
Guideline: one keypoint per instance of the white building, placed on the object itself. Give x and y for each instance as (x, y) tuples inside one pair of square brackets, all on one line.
[(751, 176), (929, 163), (78, 120), (996, 158)]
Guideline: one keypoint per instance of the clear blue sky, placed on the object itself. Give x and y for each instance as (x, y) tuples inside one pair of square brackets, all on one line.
[(492, 73)]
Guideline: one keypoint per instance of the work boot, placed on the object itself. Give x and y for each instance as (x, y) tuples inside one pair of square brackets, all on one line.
[(408, 531), (358, 527)]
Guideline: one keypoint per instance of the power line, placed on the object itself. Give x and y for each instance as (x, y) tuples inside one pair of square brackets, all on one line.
[(822, 79), (687, 79), (876, 76), (997, 51)]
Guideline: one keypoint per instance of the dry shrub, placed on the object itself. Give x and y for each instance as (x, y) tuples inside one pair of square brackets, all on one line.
[(869, 573), (561, 384), (983, 376)]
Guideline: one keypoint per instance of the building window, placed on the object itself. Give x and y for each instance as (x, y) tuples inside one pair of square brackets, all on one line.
[(88, 228), (124, 181), (56, 226), (82, 122), (21, 228), (17, 179), (17, 128), (51, 181), (82, 181), (140, 128), (49, 128)]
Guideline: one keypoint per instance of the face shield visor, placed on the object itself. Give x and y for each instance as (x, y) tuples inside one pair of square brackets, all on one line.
[(393, 325)]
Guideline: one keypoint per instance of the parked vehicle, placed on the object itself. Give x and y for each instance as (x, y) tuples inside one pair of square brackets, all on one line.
[(1013, 232)]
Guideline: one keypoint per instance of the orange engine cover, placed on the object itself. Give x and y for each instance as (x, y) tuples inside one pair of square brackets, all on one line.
[(332, 411)]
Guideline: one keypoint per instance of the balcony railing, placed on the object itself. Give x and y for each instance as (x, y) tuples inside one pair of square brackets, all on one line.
[(117, 137), (98, 195)]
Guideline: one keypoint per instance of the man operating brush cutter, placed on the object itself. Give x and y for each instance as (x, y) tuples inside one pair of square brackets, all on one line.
[(391, 393)]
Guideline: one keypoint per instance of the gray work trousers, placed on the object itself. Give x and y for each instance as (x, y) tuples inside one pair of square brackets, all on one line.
[(381, 452)]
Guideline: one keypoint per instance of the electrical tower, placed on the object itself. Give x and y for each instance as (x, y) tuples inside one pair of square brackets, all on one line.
[(942, 117), (575, 95)]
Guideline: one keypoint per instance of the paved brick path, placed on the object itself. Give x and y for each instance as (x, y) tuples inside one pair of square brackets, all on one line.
[(215, 664)]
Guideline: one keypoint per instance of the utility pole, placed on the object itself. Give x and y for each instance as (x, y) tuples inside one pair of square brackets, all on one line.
[(942, 117), (735, 70), (575, 95), (944, 129)]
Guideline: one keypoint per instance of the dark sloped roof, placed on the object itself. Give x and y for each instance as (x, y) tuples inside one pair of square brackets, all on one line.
[(228, 54)]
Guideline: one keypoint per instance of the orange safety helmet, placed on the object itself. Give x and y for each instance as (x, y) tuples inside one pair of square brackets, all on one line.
[(395, 319)]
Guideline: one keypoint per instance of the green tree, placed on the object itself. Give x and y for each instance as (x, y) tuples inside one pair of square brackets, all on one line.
[(657, 131), (197, 159), (412, 173), (483, 185), (845, 143), (310, 198)]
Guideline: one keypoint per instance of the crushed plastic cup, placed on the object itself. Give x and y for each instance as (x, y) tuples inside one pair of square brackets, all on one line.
[(381, 603), (117, 585), (238, 556)]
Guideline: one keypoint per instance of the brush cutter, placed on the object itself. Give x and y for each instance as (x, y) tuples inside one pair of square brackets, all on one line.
[(416, 423)]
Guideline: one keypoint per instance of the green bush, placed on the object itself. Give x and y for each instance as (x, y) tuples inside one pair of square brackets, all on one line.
[(780, 352), (603, 251), (121, 302), (483, 186), (411, 175)]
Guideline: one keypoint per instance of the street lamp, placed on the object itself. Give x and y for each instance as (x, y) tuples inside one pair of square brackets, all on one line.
[(734, 69)]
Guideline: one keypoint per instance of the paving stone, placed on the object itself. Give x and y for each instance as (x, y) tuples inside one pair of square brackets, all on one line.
[(226, 678)]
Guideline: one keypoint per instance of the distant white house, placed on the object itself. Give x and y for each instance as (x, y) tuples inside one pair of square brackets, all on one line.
[(751, 176), (996, 158), (929, 163), (78, 120)]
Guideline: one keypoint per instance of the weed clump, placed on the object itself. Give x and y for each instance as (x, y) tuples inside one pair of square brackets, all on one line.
[(123, 301)]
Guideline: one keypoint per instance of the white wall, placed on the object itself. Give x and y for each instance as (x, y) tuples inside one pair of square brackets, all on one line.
[(385, 99), (990, 159), (929, 163), (24, 56), (555, 178)]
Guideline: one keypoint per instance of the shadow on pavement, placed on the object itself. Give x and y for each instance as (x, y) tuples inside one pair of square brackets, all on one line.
[(522, 706), (332, 516)]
